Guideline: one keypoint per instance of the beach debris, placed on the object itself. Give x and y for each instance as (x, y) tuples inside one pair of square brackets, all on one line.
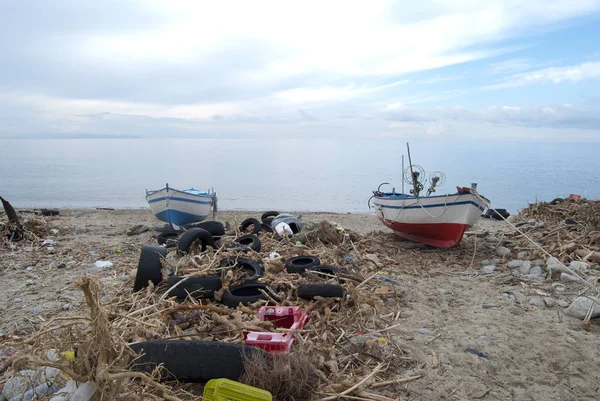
[(476, 352), (138, 229)]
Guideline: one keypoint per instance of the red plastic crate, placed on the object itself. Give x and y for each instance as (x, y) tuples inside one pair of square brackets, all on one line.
[(288, 317)]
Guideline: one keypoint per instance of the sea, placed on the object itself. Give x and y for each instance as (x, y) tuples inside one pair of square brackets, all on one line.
[(287, 174)]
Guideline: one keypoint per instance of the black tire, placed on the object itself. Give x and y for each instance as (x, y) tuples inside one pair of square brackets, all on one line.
[(215, 228), (245, 294), (15, 235), (267, 217), (556, 201), (168, 238), (49, 212), (498, 214), (267, 228), (299, 264), (253, 267), (197, 287), (251, 241), (149, 267), (249, 222), (192, 235), (193, 361), (310, 291)]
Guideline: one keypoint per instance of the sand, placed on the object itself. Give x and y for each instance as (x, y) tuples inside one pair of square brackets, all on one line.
[(527, 351)]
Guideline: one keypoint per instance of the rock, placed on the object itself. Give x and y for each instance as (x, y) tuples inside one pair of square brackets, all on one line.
[(137, 230), (553, 261), (425, 332), (459, 301), (525, 267), (522, 254), (517, 311), (52, 355), (28, 249), (502, 251), (29, 268), (569, 278), (537, 262), (466, 294), (536, 271), (105, 299), (550, 302), (444, 291), (485, 262), (29, 282), (535, 302), (123, 277), (520, 297), (495, 261), (493, 239), (581, 305), (35, 309), (579, 265), (67, 306), (539, 224), (571, 246), (488, 269), (17, 300), (562, 304), (513, 264)]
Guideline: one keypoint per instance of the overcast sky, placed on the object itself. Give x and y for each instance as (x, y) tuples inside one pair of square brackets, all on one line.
[(370, 69)]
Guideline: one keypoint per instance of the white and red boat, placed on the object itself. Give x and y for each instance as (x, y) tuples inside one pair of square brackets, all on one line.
[(439, 220)]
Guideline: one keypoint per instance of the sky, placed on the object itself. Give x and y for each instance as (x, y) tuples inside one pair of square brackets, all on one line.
[(460, 69)]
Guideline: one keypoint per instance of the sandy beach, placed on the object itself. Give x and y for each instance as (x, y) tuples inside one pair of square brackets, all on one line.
[(469, 333)]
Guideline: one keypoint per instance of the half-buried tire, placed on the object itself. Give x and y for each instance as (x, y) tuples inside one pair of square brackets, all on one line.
[(194, 361), (149, 266), (215, 228), (299, 264), (251, 222), (195, 235), (250, 240), (169, 238), (196, 287), (246, 294), (251, 267), (267, 217), (310, 291)]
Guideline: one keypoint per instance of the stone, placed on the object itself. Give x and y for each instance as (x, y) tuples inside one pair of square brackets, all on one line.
[(123, 277), (553, 261), (444, 291), (29, 282), (517, 311), (539, 224), (494, 261), (485, 262), (425, 332), (535, 302), (35, 309), (525, 267), (61, 266), (466, 294), (579, 265), (67, 306), (520, 297), (522, 254), (581, 305), (571, 246), (536, 271), (562, 303), (17, 300), (537, 262), (550, 302), (502, 251), (29, 268), (493, 239), (488, 269), (513, 264), (459, 301), (28, 249), (569, 278), (52, 355)]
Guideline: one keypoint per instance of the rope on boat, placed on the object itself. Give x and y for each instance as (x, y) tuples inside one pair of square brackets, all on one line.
[(446, 207)]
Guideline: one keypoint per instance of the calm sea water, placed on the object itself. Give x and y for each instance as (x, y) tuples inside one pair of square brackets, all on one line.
[(287, 175)]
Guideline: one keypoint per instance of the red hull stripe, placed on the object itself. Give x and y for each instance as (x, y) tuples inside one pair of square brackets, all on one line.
[(444, 235)]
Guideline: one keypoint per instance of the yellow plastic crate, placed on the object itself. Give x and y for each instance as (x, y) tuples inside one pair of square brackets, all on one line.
[(229, 390)]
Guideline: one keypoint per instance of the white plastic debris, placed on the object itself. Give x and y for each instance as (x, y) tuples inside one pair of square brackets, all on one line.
[(103, 264), (274, 255), (48, 242), (283, 229)]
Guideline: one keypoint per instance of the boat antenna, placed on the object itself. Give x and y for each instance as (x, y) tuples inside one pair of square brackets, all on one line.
[(403, 172)]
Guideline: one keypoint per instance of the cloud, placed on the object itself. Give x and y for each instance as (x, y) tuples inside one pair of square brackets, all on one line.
[(555, 75), (557, 117)]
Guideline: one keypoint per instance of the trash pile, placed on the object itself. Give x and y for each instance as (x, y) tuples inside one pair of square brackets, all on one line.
[(301, 311)]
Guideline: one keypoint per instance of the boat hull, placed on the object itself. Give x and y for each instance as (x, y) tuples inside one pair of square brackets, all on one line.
[(439, 221), (179, 208)]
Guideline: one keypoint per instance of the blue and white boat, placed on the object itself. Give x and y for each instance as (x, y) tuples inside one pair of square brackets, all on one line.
[(179, 208)]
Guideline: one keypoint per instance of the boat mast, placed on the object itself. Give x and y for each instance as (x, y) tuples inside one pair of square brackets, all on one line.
[(402, 173), (412, 174)]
